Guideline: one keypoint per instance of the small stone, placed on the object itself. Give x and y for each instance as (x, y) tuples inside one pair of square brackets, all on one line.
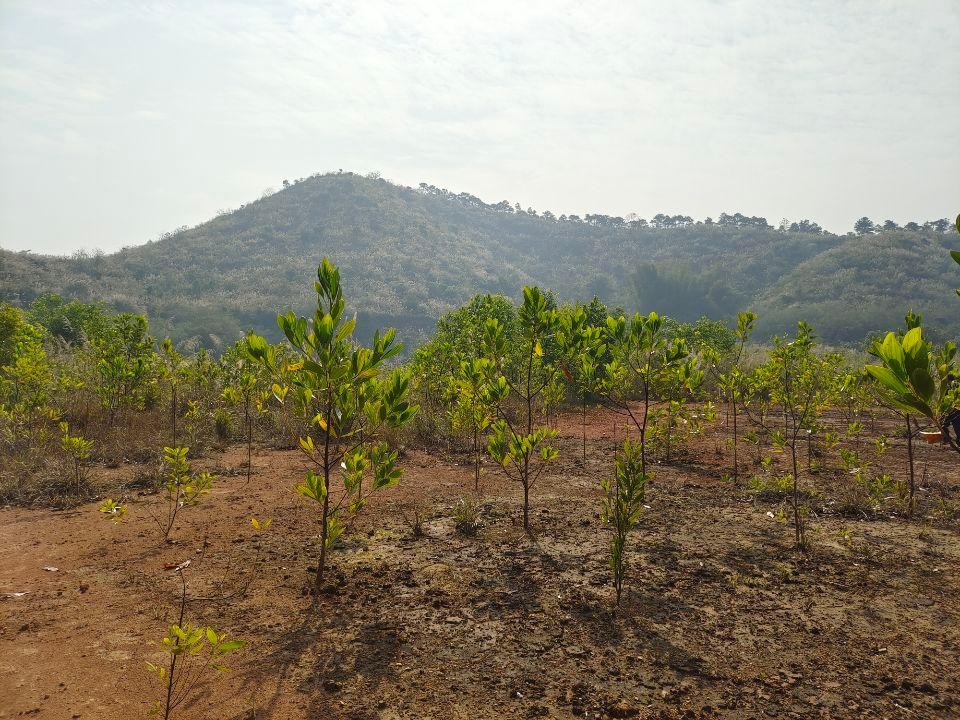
[(622, 709)]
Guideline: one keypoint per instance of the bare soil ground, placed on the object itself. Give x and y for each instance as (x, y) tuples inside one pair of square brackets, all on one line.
[(722, 617)]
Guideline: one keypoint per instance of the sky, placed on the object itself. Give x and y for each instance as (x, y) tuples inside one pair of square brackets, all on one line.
[(120, 121)]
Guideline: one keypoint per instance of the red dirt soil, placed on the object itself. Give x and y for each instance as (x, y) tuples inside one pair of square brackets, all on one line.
[(721, 616)]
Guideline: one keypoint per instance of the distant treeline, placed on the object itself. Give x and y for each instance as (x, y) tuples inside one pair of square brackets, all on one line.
[(661, 220)]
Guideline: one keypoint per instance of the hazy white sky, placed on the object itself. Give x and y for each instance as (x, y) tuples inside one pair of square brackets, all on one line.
[(121, 120)]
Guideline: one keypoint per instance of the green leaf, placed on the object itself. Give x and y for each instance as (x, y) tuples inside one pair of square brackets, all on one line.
[(231, 645), (923, 383), (887, 378), (256, 345), (912, 341), (345, 330), (892, 353), (910, 404)]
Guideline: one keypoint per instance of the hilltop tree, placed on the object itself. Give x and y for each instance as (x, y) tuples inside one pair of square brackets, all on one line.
[(739, 220), (805, 226), (940, 226)]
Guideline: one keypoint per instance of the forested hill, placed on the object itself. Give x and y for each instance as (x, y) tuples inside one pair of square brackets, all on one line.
[(407, 255)]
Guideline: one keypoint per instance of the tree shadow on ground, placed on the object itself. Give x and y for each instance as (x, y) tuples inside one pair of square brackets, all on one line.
[(326, 648)]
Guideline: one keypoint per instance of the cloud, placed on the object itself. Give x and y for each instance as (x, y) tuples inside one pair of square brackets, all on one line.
[(817, 109)]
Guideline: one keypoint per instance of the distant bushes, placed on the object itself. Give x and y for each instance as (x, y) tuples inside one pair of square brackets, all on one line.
[(689, 295), (79, 366)]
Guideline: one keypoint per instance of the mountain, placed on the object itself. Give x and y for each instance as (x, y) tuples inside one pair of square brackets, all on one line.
[(408, 255), (865, 285)]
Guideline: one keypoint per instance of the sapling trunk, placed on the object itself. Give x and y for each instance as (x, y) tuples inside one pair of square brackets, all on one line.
[(643, 426), (173, 656), (249, 424), (910, 464), (172, 509), (526, 509), (733, 411), (476, 460), (173, 415), (583, 417), (669, 434), (797, 521), (526, 455), (745, 322), (619, 540), (323, 535), (326, 508)]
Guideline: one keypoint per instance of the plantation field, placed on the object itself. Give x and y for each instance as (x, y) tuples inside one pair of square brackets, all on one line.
[(369, 448), (721, 615)]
